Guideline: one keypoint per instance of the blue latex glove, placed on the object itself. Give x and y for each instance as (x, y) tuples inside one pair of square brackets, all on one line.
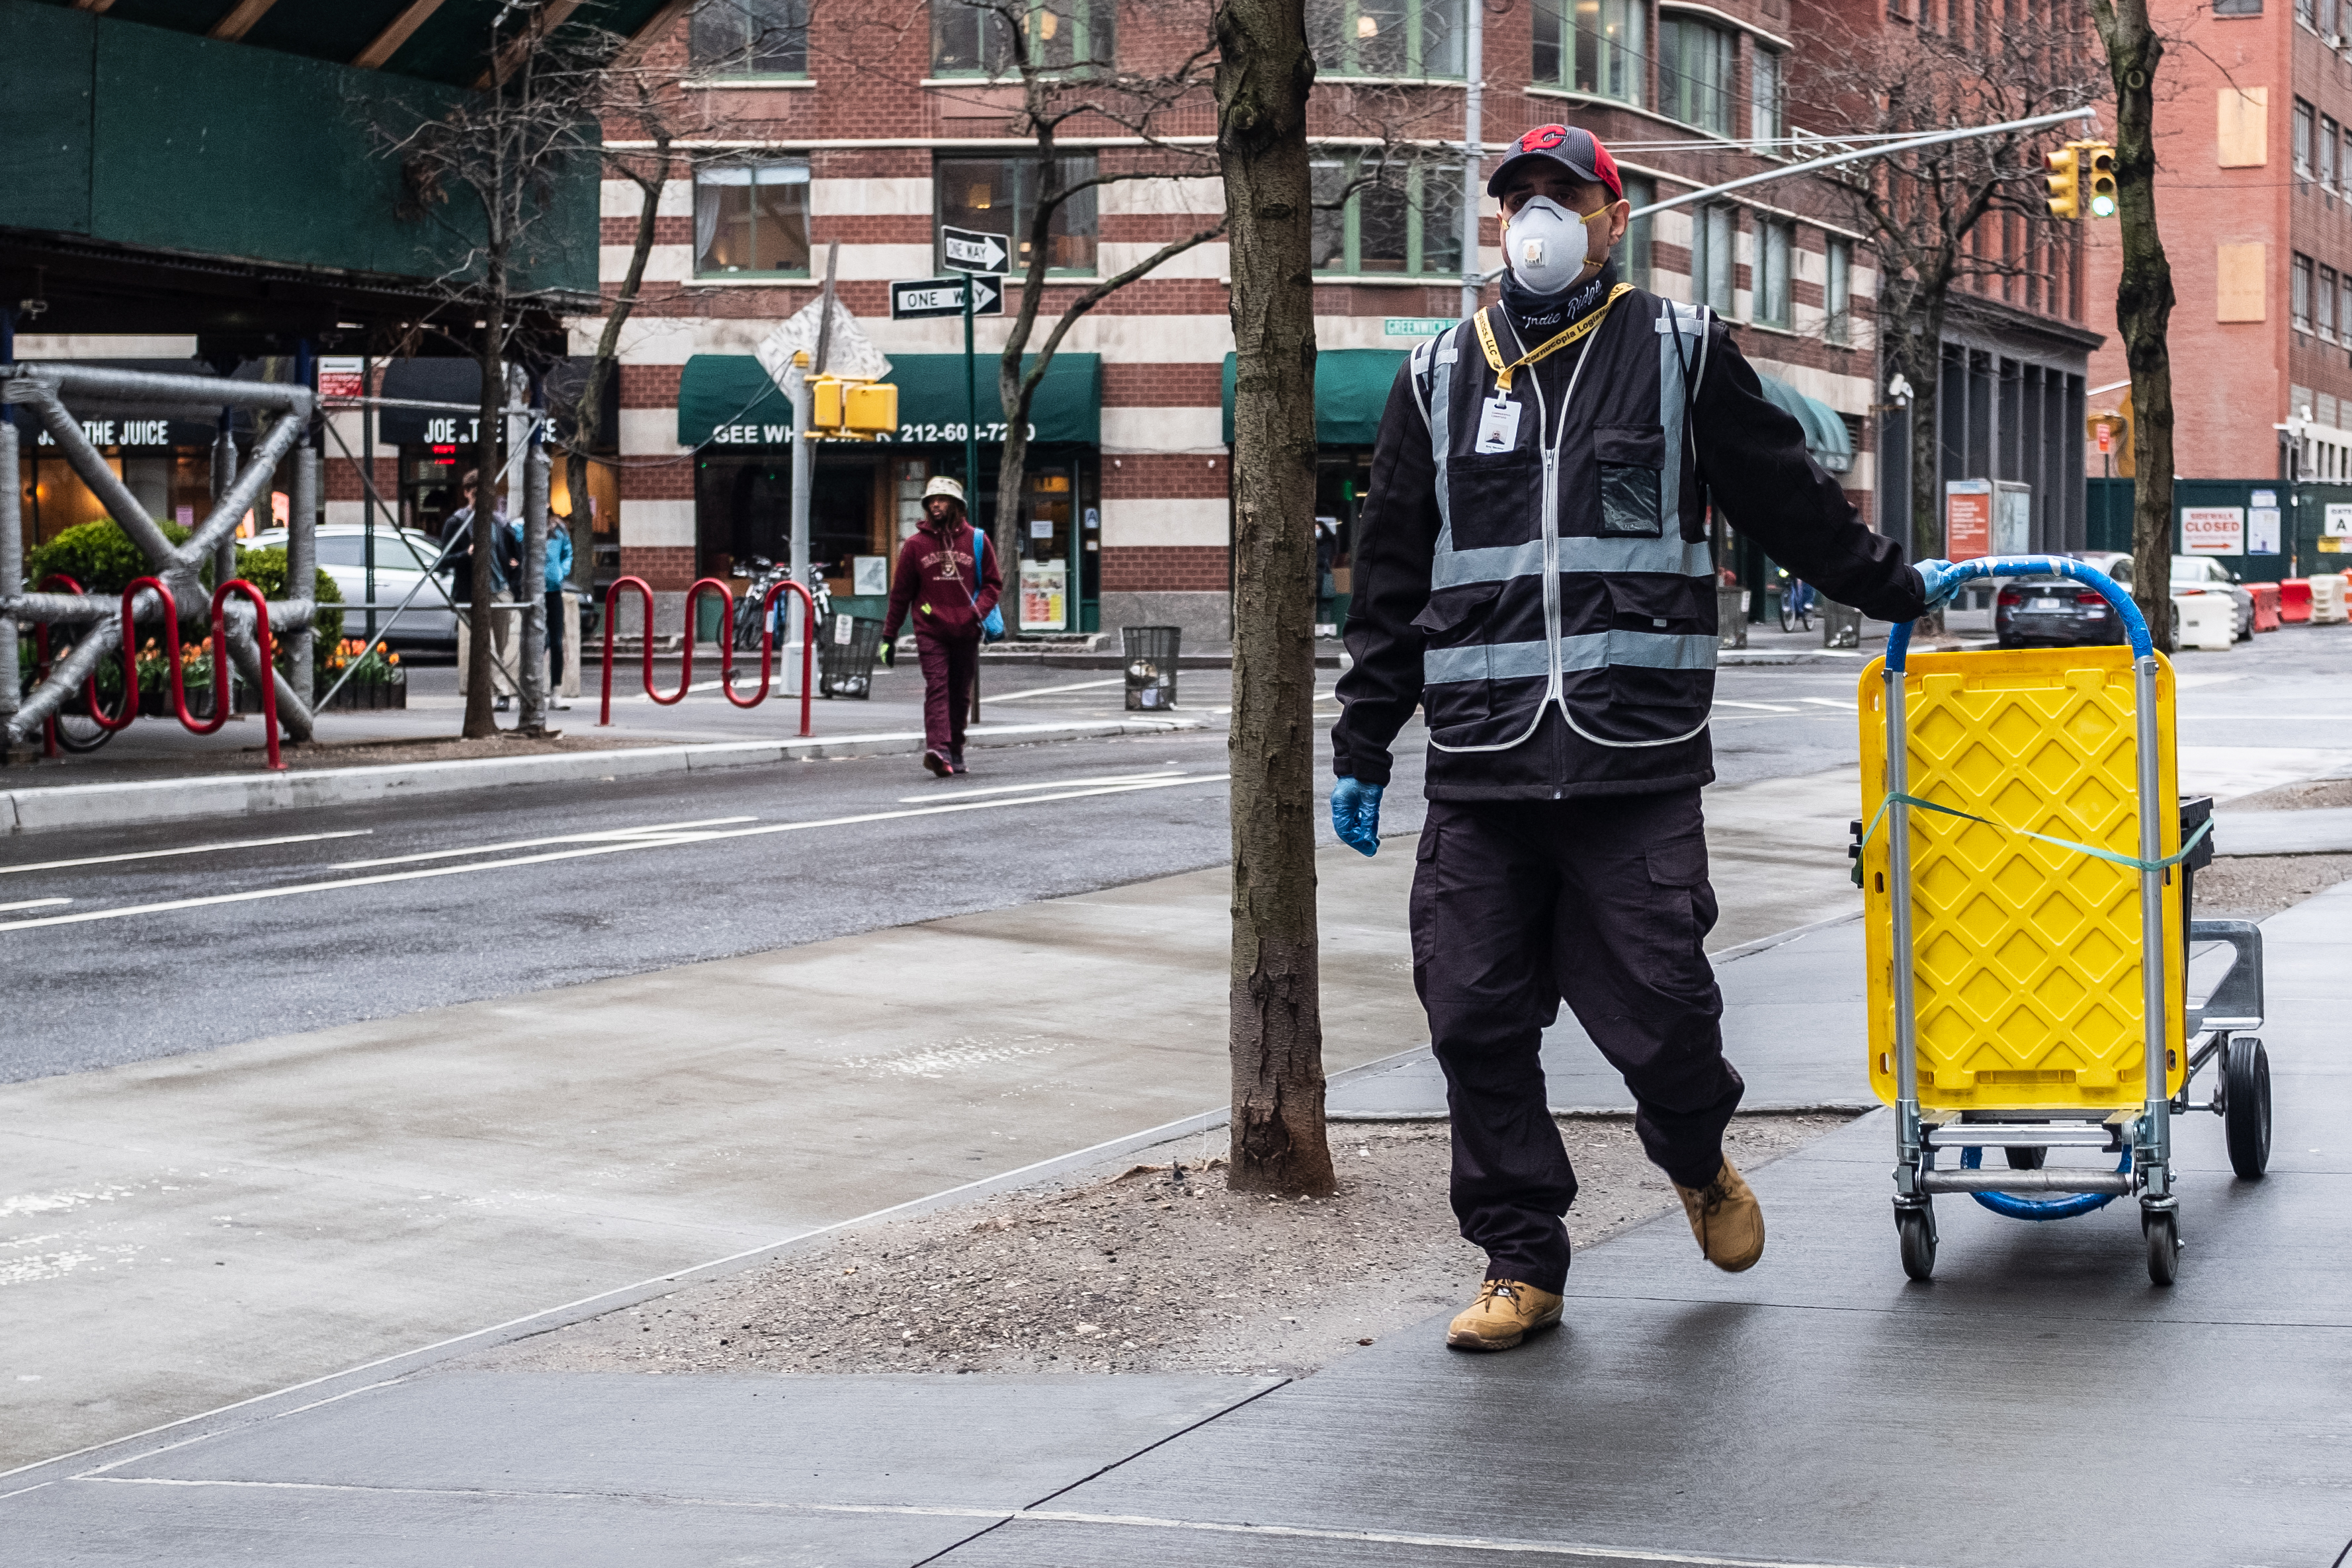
[(1356, 814), (1940, 577)]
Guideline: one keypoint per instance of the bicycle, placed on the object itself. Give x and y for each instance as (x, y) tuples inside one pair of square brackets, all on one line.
[(1796, 605)]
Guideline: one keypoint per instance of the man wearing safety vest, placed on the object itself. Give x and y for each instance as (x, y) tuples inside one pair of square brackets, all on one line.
[(1532, 569)]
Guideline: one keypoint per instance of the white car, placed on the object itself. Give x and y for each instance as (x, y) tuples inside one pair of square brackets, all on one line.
[(401, 558), (2191, 574)]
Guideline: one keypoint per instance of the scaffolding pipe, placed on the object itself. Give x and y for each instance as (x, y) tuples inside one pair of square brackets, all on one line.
[(532, 677)]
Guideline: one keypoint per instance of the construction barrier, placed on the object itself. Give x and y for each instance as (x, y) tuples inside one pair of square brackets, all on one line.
[(2266, 605), (2327, 607), (725, 645), (222, 703), (2294, 601), (2207, 620)]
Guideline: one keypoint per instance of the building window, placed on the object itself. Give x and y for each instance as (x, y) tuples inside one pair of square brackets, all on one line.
[(2343, 305), (752, 218), (2303, 139), (2299, 295), (1407, 38), (999, 195), (1776, 243), (973, 37), (750, 37), (2237, 7), (2323, 299), (1695, 73), (1837, 293), (1632, 257), (1767, 94), (2330, 134), (1402, 220), (1715, 232), (2308, 13), (1592, 46)]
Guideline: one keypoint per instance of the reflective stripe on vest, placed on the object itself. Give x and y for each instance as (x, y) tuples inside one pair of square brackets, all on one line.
[(1591, 651)]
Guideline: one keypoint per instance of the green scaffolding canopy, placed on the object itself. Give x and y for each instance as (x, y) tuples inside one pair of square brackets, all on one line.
[(1352, 388)]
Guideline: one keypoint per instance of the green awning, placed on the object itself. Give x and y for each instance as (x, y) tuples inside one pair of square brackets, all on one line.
[(728, 400), (1826, 436), (1352, 389)]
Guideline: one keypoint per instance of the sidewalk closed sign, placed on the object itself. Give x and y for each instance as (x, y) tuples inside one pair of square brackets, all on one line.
[(1968, 520), (2212, 530)]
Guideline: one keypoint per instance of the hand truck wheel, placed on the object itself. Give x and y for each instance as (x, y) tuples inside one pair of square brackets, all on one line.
[(1915, 1232), (2027, 1159), (2163, 1232), (2246, 1106)]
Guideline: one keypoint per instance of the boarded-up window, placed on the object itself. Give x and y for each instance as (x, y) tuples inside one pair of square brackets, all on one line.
[(2237, 272), (2245, 129)]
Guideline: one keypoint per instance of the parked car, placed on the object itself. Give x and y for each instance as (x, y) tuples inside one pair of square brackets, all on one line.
[(401, 558), (2191, 574), (2045, 610)]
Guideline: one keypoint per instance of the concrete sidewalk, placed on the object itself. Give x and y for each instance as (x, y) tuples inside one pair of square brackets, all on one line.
[(2039, 1405)]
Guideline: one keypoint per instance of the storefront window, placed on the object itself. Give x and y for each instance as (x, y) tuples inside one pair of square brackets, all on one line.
[(1397, 38), (999, 195), (750, 37), (751, 219), (1592, 46), (1405, 220), (974, 37)]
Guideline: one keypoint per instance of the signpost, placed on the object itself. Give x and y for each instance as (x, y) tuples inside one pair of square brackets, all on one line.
[(923, 298), (973, 251)]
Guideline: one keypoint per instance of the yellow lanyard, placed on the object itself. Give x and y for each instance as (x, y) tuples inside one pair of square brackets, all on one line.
[(1575, 334)]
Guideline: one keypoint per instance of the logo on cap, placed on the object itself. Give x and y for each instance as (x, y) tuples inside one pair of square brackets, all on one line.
[(1543, 139)]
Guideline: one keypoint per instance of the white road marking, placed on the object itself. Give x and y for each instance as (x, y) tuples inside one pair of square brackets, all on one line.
[(1047, 691), (1831, 702), (1045, 784), (35, 904), (600, 836), (187, 850), (640, 841), (1760, 707)]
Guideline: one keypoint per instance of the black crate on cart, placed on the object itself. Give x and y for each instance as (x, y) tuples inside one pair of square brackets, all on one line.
[(845, 655)]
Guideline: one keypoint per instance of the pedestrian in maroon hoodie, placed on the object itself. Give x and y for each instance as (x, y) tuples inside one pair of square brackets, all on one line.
[(947, 580)]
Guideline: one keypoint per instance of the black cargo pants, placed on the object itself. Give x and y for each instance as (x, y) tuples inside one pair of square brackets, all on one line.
[(1603, 902)]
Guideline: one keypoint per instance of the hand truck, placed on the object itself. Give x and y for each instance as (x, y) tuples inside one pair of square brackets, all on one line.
[(2022, 998)]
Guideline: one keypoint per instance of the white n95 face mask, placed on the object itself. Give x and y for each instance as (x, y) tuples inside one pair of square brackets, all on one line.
[(1550, 248)]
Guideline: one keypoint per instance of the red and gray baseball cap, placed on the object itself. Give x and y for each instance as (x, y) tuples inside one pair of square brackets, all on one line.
[(1577, 151)]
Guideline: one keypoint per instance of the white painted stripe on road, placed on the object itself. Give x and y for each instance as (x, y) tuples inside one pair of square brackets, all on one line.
[(599, 836), (1760, 707), (640, 842), (1040, 1515), (1047, 784), (188, 850), (1048, 691), (1831, 702), (35, 904)]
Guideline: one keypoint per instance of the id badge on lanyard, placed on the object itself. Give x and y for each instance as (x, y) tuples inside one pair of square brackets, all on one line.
[(1498, 424)]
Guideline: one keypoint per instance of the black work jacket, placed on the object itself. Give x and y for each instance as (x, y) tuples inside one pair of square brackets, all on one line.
[(1550, 600)]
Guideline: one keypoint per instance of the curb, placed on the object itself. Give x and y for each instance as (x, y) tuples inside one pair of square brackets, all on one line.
[(44, 810)]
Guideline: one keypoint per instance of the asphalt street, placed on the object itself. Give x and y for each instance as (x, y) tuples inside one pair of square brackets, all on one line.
[(179, 937)]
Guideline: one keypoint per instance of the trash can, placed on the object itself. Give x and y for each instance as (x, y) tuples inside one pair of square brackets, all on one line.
[(1840, 626), (1151, 654), (845, 654)]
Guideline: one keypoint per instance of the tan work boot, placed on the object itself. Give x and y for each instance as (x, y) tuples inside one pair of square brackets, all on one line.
[(1506, 1312), (1726, 1219)]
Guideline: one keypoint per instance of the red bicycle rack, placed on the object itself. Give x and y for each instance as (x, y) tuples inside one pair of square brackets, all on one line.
[(222, 703), (726, 645)]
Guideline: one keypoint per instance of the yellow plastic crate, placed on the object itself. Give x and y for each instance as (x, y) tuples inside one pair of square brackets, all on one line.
[(2026, 956)]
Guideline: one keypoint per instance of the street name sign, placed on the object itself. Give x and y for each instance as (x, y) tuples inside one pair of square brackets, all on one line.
[(1417, 326), (973, 250), (920, 298)]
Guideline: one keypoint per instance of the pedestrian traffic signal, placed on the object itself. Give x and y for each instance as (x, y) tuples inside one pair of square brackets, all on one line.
[(2064, 179), (2100, 158)]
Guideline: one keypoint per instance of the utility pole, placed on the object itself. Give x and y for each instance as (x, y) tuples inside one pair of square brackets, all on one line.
[(1473, 150)]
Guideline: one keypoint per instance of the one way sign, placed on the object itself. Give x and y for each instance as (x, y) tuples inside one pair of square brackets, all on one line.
[(973, 250), (920, 298)]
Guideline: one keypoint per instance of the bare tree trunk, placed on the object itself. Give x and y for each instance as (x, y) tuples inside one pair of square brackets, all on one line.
[(590, 413), (1924, 353), (2143, 304), (1263, 77), (480, 717)]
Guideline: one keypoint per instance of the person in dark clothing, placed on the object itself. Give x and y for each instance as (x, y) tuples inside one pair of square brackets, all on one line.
[(457, 540), (1532, 570), (947, 578)]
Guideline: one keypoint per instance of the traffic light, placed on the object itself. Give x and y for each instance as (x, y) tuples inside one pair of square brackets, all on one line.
[(2101, 157), (2064, 181)]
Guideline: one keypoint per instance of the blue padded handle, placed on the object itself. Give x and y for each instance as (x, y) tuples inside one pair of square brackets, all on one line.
[(1898, 642)]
